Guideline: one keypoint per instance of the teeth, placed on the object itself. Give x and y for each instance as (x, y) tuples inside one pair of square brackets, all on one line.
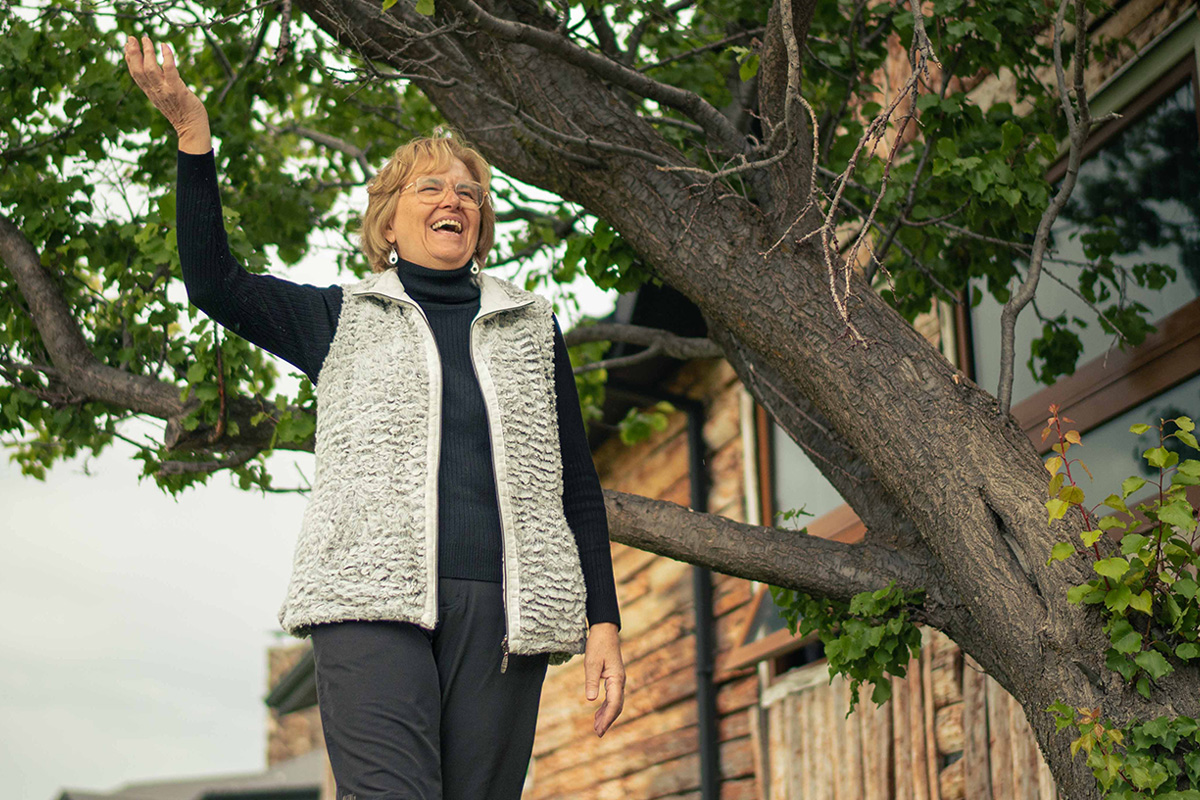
[(444, 224)]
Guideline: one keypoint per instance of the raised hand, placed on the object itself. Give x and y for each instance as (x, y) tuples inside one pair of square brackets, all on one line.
[(169, 94)]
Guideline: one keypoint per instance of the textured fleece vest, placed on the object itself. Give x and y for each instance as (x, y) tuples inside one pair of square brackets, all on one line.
[(368, 544)]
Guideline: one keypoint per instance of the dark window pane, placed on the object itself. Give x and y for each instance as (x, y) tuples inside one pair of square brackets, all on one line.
[(1147, 181)]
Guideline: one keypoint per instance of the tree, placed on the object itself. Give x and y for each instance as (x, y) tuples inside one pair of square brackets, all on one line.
[(740, 151)]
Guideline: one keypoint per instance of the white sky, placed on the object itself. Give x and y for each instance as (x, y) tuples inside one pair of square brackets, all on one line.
[(134, 643)]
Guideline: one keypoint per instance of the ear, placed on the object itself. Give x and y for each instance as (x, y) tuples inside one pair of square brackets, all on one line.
[(389, 234)]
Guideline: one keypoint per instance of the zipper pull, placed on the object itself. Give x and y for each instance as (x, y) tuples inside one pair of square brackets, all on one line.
[(504, 658)]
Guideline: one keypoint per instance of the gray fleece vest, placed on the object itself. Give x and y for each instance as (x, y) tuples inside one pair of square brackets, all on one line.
[(368, 544)]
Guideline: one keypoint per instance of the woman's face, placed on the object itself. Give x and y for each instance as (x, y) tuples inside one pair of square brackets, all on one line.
[(423, 227)]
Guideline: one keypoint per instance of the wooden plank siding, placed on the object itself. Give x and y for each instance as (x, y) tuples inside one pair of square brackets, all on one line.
[(969, 742)]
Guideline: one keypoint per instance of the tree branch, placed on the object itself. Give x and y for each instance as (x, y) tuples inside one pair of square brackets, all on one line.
[(79, 369), (774, 555), (1079, 125), (713, 121), (736, 37), (681, 347), (327, 140)]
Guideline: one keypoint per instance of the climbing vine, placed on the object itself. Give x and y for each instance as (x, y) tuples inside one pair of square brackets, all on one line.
[(1145, 564)]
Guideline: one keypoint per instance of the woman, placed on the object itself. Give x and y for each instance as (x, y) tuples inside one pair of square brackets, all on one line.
[(456, 524)]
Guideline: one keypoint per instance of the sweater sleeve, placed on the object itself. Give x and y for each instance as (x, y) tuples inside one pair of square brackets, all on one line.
[(583, 502), (295, 322)]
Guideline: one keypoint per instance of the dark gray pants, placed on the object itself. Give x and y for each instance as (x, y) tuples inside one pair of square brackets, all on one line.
[(411, 714)]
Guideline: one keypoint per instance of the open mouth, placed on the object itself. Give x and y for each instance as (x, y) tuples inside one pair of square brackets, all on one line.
[(451, 225)]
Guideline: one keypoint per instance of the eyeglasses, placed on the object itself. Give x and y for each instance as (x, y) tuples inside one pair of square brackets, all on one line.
[(431, 190)]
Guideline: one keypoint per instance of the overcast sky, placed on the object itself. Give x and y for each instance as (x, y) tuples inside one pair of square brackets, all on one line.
[(133, 643)]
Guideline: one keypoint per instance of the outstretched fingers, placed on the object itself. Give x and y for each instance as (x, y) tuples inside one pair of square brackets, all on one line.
[(170, 73), (143, 66)]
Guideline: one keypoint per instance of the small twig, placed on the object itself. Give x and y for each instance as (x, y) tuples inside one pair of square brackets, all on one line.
[(1079, 125), (702, 49), (669, 344), (285, 33), (1099, 313)]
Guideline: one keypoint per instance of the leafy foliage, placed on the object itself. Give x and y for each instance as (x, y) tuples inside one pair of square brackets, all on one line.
[(865, 640), (88, 176), (1145, 587)]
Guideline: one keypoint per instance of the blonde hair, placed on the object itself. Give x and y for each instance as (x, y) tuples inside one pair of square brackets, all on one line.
[(384, 190)]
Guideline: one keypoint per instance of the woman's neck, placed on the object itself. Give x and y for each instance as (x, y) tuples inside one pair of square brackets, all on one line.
[(438, 285)]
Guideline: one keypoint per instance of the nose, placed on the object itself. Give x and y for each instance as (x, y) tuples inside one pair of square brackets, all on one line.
[(450, 198)]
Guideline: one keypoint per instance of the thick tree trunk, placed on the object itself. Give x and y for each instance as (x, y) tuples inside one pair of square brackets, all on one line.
[(940, 476)]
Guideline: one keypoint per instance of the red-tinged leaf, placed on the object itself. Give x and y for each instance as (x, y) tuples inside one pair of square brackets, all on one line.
[(1073, 437)]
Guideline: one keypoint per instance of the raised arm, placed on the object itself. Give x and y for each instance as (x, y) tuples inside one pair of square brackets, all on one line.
[(295, 322)]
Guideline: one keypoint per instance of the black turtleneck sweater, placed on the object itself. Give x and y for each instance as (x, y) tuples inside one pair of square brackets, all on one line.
[(297, 323)]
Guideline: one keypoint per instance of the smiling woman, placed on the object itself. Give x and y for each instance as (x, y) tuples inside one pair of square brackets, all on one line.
[(456, 541), (410, 196)]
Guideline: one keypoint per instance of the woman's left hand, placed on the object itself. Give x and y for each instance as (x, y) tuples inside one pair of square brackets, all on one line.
[(602, 662)]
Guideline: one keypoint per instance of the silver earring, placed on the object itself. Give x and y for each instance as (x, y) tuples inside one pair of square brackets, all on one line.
[(393, 257), (474, 267)]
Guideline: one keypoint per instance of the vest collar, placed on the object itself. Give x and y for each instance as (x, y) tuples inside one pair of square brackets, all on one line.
[(495, 295)]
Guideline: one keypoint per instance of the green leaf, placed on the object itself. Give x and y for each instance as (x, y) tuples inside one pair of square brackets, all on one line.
[(1120, 664), (1188, 650), (1111, 567), (1061, 552), (1141, 602), (1071, 494), (1131, 485), (1184, 423), (1190, 467), (748, 68), (1057, 509), (1188, 439), (1180, 514), (1139, 428), (1077, 594), (1124, 638), (1010, 135), (1160, 457), (1118, 598), (1133, 542), (425, 7), (1116, 503), (388, 4), (1090, 537), (1186, 587), (1153, 662)]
